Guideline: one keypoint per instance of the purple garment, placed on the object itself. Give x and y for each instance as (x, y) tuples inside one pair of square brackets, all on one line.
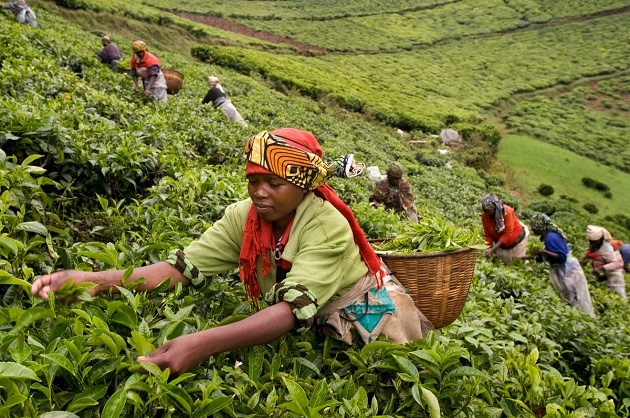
[(109, 53)]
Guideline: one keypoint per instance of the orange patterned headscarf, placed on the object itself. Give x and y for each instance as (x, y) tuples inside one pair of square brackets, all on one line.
[(287, 157)]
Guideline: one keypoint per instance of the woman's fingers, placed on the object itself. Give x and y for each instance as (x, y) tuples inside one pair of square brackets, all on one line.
[(49, 283)]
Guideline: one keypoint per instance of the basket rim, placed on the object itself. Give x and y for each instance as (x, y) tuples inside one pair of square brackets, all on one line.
[(174, 72), (427, 255)]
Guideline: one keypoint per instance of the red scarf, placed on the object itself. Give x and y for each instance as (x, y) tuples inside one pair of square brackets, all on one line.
[(148, 60), (258, 242)]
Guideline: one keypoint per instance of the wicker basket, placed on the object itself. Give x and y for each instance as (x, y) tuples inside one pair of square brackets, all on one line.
[(438, 283), (174, 80)]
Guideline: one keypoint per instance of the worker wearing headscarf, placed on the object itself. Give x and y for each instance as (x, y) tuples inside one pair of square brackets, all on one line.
[(293, 241), (110, 54), (394, 192), (605, 261), (505, 234), (566, 273), (148, 67), (21, 11), (219, 100)]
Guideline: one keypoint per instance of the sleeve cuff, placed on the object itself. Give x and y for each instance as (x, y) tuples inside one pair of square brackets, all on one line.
[(177, 259), (303, 303)]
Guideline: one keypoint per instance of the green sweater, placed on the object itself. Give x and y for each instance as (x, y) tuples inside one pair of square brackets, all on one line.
[(325, 259)]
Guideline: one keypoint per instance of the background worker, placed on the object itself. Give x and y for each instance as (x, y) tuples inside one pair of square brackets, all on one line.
[(504, 233), (110, 54), (148, 67), (295, 243), (21, 11), (394, 192), (219, 99), (604, 259), (566, 273)]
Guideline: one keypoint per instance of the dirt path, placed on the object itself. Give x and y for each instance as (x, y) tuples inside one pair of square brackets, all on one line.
[(228, 25)]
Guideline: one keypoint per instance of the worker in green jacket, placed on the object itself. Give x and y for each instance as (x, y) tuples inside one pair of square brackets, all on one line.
[(295, 242)]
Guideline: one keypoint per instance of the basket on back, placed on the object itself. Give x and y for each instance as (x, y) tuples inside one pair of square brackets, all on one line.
[(438, 283), (174, 80)]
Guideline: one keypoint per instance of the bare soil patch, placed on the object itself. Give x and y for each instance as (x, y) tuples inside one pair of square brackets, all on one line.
[(228, 25), (604, 102)]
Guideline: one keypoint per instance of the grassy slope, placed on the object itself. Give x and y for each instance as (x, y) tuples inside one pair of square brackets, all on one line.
[(534, 162)]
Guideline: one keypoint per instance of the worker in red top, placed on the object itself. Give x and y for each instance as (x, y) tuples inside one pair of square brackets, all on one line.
[(147, 67), (505, 234)]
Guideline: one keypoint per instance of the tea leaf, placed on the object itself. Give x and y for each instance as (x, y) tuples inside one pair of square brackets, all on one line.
[(298, 395), (33, 226), (30, 316), (214, 406), (179, 395), (16, 371), (407, 366), (114, 405)]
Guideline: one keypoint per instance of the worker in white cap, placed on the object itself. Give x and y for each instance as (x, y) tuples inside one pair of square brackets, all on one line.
[(605, 260)]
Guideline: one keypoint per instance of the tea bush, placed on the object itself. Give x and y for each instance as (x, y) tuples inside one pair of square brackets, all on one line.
[(99, 179)]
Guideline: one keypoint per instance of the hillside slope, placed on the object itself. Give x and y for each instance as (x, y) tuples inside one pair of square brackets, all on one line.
[(94, 177)]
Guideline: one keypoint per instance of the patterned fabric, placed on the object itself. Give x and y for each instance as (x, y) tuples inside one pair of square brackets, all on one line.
[(398, 198), (296, 156), (542, 222), (138, 46), (299, 167), (303, 303), (177, 258), (492, 202)]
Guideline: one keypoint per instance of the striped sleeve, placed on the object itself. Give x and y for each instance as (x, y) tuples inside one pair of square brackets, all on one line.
[(177, 258), (303, 303)]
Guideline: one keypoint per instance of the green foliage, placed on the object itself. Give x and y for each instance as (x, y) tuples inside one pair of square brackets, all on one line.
[(590, 207), (432, 234), (570, 122), (378, 222), (533, 162), (595, 184), (94, 178), (545, 190)]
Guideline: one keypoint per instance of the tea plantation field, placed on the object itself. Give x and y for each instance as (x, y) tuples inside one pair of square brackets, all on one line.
[(94, 177)]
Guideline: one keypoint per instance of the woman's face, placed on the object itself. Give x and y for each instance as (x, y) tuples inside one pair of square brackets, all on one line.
[(140, 54), (489, 212), (595, 245), (274, 198)]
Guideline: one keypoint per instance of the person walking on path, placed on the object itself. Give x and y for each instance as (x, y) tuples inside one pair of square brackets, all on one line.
[(605, 261), (110, 54), (219, 99), (394, 192), (147, 67), (566, 273), (293, 241), (21, 11), (504, 233)]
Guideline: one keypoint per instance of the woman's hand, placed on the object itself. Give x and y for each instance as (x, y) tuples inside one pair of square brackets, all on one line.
[(53, 281), (184, 353), (181, 354)]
